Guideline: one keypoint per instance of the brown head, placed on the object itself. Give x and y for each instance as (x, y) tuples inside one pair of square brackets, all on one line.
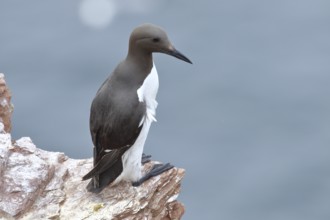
[(149, 38)]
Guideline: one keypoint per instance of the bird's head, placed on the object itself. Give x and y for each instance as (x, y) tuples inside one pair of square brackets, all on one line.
[(151, 38)]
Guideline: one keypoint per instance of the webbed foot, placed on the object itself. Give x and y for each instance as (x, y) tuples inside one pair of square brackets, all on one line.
[(145, 158), (155, 171)]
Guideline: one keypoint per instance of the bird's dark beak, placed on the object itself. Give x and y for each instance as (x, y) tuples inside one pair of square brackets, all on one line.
[(174, 52)]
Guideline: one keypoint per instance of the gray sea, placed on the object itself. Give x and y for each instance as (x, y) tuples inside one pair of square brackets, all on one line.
[(249, 120)]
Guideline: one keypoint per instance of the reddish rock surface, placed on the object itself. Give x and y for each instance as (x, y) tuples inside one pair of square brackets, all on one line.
[(6, 108), (36, 184)]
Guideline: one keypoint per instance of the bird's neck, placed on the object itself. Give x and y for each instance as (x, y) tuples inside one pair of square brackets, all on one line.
[(141, 59), (140, 65)]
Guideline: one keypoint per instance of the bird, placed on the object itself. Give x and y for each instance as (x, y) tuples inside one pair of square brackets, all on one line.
[(124, 108)]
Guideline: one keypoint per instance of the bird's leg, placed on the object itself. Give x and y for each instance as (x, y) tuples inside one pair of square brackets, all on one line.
[(157, 169), (145, 158)]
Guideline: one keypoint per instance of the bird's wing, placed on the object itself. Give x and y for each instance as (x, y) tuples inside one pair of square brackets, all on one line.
[(114, 125), (107, 161)]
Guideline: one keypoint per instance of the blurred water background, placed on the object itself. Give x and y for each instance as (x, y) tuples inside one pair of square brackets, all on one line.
[(249, 121)]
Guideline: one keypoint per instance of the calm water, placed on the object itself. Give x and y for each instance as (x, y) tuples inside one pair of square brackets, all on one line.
[(249, 121)]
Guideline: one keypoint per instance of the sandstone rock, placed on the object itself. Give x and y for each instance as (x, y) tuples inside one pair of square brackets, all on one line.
[(36, 184), (6, 107)]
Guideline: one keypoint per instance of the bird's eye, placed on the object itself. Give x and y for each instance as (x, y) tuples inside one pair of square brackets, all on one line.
[(155, 40)]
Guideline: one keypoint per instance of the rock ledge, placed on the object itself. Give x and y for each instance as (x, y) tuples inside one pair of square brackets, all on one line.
[(37, 184)]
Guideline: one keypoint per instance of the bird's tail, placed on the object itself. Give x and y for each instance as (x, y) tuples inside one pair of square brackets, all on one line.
[(100, 181), (105, 171)]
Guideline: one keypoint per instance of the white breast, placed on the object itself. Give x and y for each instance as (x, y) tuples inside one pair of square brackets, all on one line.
[(132, 157), (147, 93)]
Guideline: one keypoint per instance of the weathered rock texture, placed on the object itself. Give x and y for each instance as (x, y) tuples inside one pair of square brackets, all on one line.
[(37, 184), (6, 108)]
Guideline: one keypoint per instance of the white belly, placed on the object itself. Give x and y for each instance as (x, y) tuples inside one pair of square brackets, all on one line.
[(132, 157)]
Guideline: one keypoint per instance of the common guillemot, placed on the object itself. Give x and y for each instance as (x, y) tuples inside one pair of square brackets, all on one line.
[(124, 108)]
